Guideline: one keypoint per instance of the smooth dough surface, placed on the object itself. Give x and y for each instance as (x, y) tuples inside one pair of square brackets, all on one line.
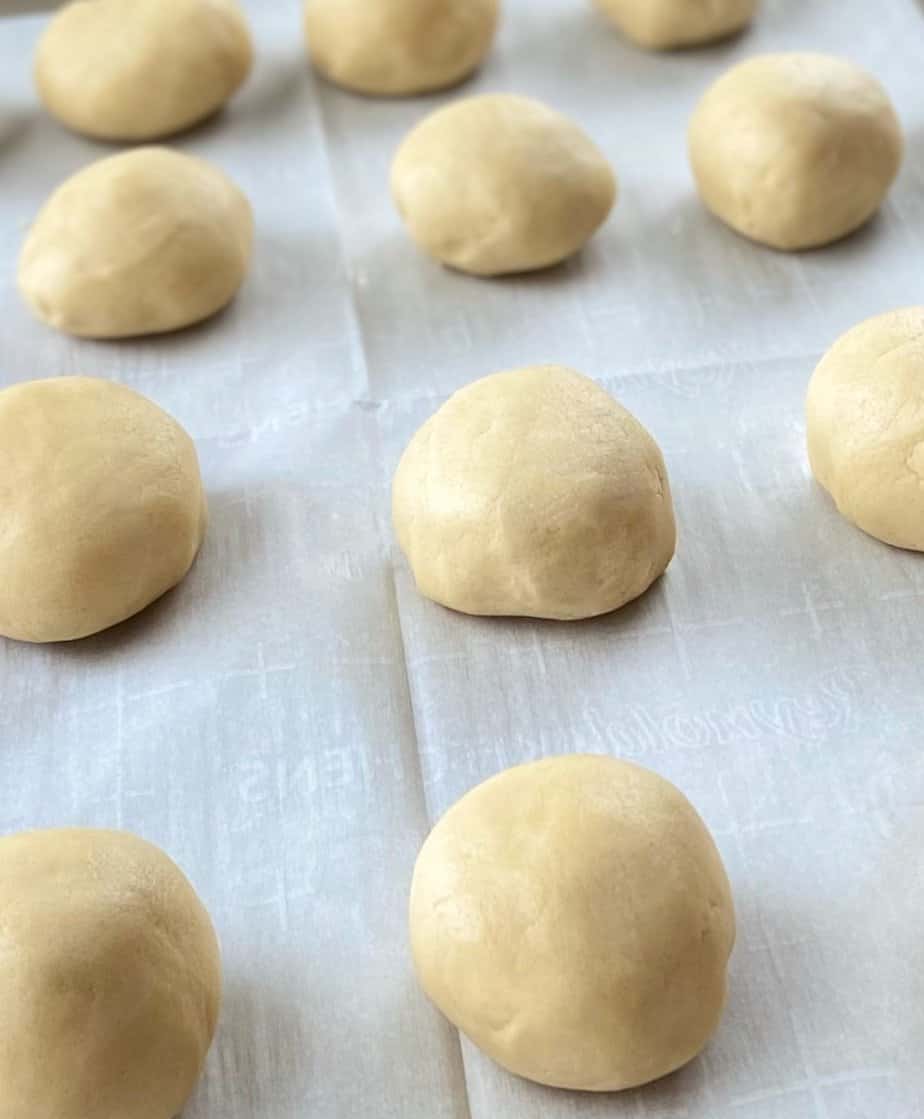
[(533, 492), (111, 984), (795, 150), (138, 243), (395, 48), (102, 506), (501, 183), (865, 426), (668, 24), (573, 918), (141, 69)]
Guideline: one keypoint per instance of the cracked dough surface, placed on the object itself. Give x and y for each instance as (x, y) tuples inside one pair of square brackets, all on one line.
[(102, 506), (865, 426), (111, 978), (141, 69), (666, 24), (399, 47), (795, 150), (573, 918), (143, 242), (533, 492), (500, 183)]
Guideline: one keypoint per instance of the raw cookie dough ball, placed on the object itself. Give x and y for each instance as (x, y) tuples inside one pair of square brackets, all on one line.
[(138, 243), (111, 983), (101, 504), (865, 426), (666, 24), (574, 919), (533, 492), (795, 150), (501, 183), (141, 69), (399, 47)]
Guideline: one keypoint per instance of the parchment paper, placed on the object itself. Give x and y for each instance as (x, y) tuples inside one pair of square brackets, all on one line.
[(289, 722)]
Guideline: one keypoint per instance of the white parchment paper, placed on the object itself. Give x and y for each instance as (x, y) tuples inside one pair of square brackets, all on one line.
[(291, 720)]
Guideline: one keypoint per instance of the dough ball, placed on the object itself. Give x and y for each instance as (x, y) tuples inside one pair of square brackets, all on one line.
[(865, 426), (573, 918), (500, 183), (141, 69), (101, 504), (138, 243), (399, 47), (533, 492), (111, 983), (668, 24), (795, 150)]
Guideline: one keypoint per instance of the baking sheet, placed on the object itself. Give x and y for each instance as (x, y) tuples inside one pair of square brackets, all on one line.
[(289, 722)]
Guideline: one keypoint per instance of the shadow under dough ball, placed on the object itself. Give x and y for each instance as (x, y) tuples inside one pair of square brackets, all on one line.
[(395, 48), (500, 183), (101, 503), (865, 426), (111, 983), (533, 492), (140, 70), (671, 24), (143, 242), (795, 150), (573, 918)]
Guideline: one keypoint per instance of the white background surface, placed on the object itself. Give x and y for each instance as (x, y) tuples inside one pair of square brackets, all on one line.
[(289, 722)]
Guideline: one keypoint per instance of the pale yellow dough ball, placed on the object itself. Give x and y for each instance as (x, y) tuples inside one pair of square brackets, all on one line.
[(111, 978), (141, 69), (143, 242), (573, 918), (865, 426), (795, 150), (501, 183), (394, 48), (101, 504), (533, 492), (669, 24)]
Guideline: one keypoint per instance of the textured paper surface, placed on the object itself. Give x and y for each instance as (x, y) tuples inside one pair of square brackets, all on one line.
[(289, 722)]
